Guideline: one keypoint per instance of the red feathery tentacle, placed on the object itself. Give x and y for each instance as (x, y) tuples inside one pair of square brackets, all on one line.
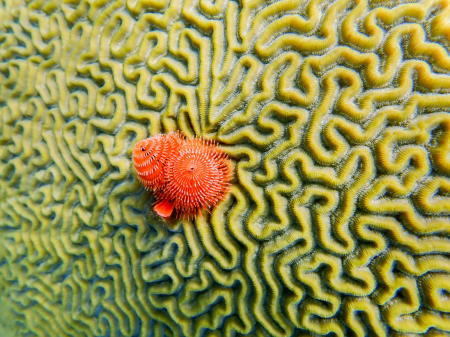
[(197, 177), (186, 175)]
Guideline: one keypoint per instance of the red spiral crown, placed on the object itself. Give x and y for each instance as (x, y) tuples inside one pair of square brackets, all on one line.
[(187, 175)]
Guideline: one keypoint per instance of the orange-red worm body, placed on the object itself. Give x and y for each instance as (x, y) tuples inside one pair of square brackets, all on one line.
[(186, 175), (150, 156)]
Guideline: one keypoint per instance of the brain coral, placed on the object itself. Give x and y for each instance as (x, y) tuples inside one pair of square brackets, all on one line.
[(335, 113)]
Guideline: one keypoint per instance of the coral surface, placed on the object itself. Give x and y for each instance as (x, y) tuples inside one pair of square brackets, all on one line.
[(335, 113)]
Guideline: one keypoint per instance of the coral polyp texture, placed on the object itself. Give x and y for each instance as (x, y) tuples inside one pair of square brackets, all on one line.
[(335, 113)]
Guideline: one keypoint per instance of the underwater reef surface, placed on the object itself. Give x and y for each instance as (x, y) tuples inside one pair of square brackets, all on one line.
[(335, 113)]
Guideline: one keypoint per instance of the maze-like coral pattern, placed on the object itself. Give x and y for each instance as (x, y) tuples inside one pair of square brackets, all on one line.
[(336, 114)]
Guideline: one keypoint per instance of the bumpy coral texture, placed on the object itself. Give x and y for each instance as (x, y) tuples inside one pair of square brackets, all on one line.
[(336, 114)]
